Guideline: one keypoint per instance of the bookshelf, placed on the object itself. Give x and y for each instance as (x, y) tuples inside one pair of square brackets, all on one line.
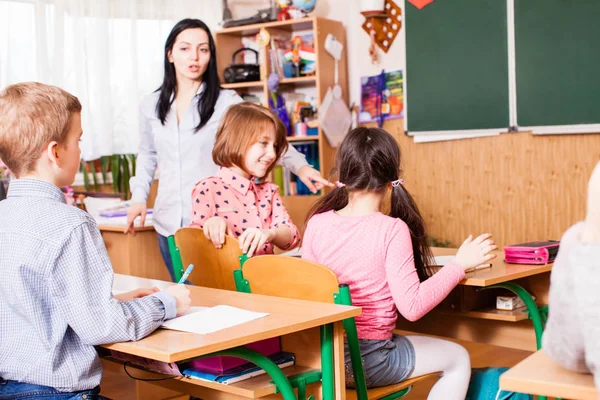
[(229, 40)]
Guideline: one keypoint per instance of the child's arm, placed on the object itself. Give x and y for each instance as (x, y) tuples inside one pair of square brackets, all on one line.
[(81, 285), (285, 238), (413, 298), (282, 232), (204, 213)]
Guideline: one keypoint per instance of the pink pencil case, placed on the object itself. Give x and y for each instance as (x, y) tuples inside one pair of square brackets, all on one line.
[(531, 253)]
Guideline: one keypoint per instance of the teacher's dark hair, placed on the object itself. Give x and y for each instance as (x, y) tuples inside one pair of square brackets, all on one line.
[(168, 89)]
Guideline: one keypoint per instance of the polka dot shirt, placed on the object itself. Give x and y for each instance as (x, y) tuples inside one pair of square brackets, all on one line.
[(242, 204)]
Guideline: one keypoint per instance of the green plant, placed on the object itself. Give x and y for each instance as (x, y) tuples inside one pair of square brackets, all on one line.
[(121, 167)]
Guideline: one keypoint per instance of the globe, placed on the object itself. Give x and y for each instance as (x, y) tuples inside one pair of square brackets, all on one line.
[(304, 5)]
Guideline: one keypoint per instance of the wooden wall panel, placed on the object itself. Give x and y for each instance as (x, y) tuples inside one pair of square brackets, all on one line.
[(518, 186)]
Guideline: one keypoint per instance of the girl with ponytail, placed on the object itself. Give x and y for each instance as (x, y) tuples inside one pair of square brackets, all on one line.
[(385, 260)]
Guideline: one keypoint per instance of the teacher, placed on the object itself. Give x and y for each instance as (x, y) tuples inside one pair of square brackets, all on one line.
[(178, 124)]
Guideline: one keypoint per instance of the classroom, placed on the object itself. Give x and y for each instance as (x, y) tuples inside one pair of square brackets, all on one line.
[(299, 199)]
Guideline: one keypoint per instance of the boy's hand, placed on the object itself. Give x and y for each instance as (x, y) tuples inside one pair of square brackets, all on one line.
[(591, 231), (214, 230), (136, 294), (474, 252), (182, 295), (254, 238), (135, 210), (312, 178)]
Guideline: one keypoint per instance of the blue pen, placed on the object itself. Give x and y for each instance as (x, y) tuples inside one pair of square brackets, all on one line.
[(187, 273)]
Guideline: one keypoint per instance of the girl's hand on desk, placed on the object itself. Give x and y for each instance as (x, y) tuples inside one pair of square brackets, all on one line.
[(182, 296), (214, 230), (135, 210), (254, 238), (136, 294), (474, 252)]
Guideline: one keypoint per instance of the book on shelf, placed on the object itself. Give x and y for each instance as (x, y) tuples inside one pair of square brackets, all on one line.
[(246, 371), (282, 359)]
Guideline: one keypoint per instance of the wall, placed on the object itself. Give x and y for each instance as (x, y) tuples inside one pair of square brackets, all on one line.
[(519, 187)]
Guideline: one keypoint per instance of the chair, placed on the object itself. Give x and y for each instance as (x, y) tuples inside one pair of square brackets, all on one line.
[(295, 278), (212, 267)]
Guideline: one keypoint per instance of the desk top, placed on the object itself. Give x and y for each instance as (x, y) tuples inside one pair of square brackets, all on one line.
[(121, 228), (538, 374), (500, 271), (285, 316)]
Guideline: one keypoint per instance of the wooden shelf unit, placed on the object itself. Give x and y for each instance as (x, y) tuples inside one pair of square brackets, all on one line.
[(229, 40), (520, 314), (252, 388)]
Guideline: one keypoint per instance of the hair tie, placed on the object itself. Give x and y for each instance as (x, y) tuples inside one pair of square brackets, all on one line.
[(398, 182), (339, 184)]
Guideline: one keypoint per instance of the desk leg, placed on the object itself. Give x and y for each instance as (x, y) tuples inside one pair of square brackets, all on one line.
[(281, 381), (339, 368), (532, 308)]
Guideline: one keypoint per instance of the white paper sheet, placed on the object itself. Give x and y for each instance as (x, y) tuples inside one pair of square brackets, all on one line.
[(443, 260), (212, 319)]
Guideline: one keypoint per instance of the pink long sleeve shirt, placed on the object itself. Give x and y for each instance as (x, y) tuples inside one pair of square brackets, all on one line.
[(242, 204), (373, 255)]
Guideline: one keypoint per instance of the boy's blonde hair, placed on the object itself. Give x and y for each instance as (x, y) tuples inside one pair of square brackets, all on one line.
[(32, 115), (240, 128)]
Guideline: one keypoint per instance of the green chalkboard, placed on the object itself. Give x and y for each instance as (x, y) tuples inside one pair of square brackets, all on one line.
[(557, 57), (457, 65)]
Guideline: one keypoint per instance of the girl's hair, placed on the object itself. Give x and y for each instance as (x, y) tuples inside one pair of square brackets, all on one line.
[(241, 127), (168, 89), (369, 160)]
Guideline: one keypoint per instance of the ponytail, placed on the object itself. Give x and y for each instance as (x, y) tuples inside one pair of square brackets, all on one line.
[(404, 207)]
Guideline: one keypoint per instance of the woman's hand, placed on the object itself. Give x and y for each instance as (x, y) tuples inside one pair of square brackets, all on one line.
[(215, 229), (135, 210), (254, 238), (312, 178), (474, 252), (136, 294)]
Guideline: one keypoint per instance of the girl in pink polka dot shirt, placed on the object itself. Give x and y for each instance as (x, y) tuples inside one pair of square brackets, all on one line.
[(385, 261), (249, 142)]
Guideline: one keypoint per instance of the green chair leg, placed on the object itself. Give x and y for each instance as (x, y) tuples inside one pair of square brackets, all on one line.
[(343, 298), (327, 376), (281, 381), (175, 258), (536, 315)]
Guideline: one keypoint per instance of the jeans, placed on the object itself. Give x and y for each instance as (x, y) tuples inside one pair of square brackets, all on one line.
[(19, 390), (163, 244)]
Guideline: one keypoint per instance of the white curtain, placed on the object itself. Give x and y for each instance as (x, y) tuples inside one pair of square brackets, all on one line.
[(108, 53)]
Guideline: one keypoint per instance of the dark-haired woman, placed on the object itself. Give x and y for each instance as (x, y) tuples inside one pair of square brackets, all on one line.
[(178, 124), (385, 259)]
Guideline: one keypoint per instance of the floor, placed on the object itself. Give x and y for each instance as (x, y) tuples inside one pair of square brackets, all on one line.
[(119, 387)]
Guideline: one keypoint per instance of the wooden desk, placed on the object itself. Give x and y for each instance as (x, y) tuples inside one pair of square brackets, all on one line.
[(540, 375), (137, 255), (500, 271), (501, 328), (297, 321)]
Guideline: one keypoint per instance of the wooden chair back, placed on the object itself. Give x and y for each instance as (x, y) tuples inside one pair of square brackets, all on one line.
[(212, 267)]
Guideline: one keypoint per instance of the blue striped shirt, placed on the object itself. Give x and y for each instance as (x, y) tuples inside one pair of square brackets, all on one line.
[(55, 292)]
